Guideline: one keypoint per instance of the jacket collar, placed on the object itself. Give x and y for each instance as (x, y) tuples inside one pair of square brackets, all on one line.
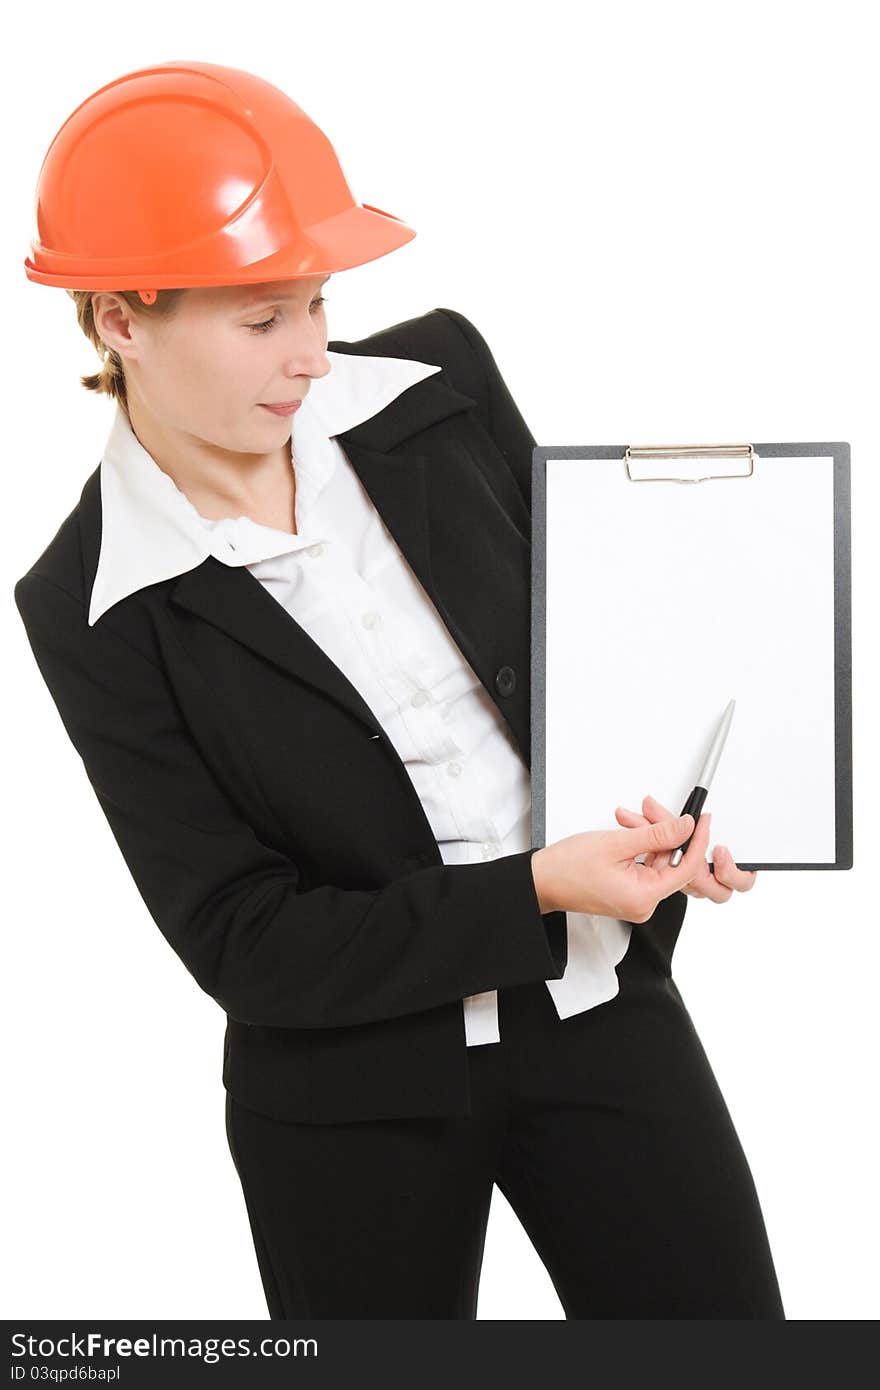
[(150, 529)]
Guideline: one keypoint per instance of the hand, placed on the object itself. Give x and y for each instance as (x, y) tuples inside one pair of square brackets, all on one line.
[(600, 872), (718, 888)]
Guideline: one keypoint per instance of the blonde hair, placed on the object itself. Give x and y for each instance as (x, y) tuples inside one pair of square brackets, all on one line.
[(110, 380)]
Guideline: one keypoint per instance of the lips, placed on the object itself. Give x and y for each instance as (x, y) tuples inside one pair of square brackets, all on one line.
[(283, 409)]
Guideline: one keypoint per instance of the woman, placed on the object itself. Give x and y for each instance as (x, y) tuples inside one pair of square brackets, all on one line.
[(319, 780)]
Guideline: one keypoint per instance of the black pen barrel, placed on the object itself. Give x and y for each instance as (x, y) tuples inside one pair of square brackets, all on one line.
[(692, 807)]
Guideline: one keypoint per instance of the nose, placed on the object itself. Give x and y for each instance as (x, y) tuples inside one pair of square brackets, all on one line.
[(308, 354)]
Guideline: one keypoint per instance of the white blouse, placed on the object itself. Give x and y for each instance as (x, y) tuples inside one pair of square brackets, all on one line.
[(344, 579)]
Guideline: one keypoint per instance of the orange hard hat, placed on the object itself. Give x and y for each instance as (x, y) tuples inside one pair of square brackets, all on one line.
[(189, 174)]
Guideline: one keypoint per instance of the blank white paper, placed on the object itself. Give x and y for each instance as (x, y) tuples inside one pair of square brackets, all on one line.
[(664, 600)]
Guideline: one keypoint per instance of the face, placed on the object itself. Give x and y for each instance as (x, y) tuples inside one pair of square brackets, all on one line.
[(207, 371)]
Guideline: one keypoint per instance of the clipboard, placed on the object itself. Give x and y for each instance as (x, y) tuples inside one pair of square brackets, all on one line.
[(666, 581)]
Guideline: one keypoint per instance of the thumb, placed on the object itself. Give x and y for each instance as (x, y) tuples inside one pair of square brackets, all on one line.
[(662, 834)]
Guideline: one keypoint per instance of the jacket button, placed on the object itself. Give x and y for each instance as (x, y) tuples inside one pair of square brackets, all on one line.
[(505, 681)]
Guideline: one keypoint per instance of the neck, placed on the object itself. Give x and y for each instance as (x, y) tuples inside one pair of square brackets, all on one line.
[(218, 482)]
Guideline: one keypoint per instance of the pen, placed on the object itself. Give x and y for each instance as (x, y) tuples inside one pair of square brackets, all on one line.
[(694, 804)]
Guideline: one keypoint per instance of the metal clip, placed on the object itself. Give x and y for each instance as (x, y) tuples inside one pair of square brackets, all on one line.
[(670, 451)]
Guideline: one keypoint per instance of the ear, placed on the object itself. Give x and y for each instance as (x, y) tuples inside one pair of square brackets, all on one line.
[(114, 320)]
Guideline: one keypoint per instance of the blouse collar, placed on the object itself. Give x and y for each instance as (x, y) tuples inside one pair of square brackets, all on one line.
[(151, 530)]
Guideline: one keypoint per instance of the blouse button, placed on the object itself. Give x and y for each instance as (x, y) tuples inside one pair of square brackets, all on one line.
[(316, 550), (370, 619), (453, 769), (420, 698)]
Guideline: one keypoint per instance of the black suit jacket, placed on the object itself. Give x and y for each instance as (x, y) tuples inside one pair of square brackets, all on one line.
[(278, 844)]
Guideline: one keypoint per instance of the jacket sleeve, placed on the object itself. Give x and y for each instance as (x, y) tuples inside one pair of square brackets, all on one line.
[(229, 905)]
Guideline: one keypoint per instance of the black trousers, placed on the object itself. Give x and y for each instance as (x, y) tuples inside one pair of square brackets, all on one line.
[(607, 1134)]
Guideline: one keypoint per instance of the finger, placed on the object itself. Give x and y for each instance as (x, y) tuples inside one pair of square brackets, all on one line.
[(726, 871), (712, 889), (654, 811), (632, 818), (692, 863), (702, 885), (663, 835)]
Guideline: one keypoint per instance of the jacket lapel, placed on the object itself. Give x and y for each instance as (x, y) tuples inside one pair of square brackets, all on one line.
[(232, 599)]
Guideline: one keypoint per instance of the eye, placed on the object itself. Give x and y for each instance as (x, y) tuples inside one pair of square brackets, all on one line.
[(264, 327)]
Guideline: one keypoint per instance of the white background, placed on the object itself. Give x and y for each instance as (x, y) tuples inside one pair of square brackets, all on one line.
[(663, 219)]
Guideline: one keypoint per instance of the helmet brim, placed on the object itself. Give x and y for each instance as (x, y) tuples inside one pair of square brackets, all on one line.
[(349, 238)]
